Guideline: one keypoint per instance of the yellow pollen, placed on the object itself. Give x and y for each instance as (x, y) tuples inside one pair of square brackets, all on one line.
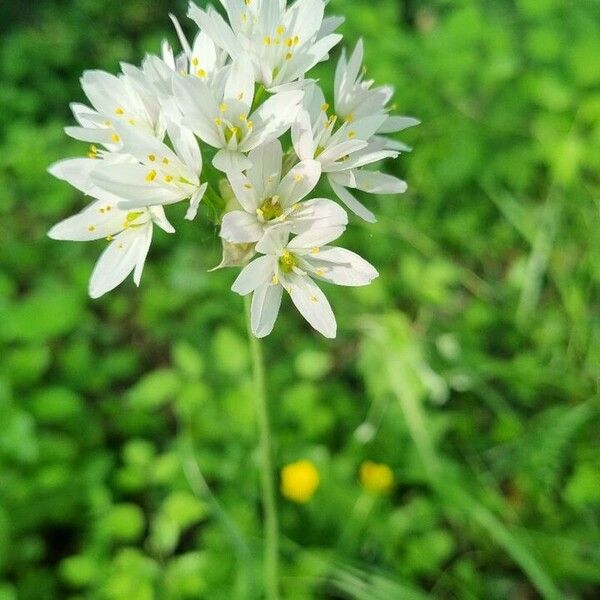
[(289, 56), (349, 118), (352, 134), (296, 40), (131, 121), (218, 122), (102, 211), (107, 123), (165, 161), (275, 280), (314, 299), (201, 73), (315, 250), (119, 111), (115, 137), (280, 30), (151, 176), (109, 238), (248, 2), (320, 272), (151, 157), (249, 124), (240, 96), (91, 228), (168, 178), (223, 107), (195, 61), (298, 178), (267, 40), (248, 186), (289, 42), (243, 118), (325, 107)]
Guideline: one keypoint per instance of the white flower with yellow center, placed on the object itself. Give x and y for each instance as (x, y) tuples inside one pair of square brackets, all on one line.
[(293, 266), (128, 231), (343, 147), (283, 43), (157, 175), (116, 101), (269, 200), (224, 118)]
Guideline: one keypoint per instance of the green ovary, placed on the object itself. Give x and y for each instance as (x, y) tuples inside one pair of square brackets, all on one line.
[(287, 262), (271, 209)]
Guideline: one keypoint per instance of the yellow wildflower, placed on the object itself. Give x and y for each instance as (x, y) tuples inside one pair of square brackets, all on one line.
[(376, 478), (299, 481)]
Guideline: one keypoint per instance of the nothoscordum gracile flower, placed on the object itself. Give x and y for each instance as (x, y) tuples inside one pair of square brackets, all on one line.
[(293, 266), (234, 92)]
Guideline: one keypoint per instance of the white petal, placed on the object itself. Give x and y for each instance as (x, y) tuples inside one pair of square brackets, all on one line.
[(93, 223), (159, 218), (342, 267), (345, 148), (265, 173), (274, 241), (312, 304), (316, 237), (305, 60), (145, 234), (129, 183), (329, 25), (118, 260), (360, 159), (246, 193), (394, 124), (255, 274), (266, 302), (375, 182), (230, 161), (91, 135), (215, 26), (195, 200), (352, 203), (197, 103), (272, 119), (318, 213), (240, 82), (299, 182), (302, 136), (185, 144), (239, 227)]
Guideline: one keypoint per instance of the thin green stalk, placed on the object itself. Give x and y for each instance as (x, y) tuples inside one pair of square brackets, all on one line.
[(271, 542)]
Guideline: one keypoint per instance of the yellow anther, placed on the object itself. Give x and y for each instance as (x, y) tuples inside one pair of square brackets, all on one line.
[(275, 280), (201, 73), (102, 211), (289, 56), (168, 178), (352, 134), (91, 228), (119, 111), (280, 30), (349, 118), (115, 137), (151, 176), (296, 40), (296, 206), (320, 272), (244, 17), (93, 152), (243, 117), (248, 2), (108, 208), (223, 107), (218, 122), (131, 121), (248, 186), (195, 61), (289, 42), (325, 107), (107, 123), (267, 40), (298, 178), (249, 124), (151, 157), (240, 96), (314, 299), (165, 161), (315, 250), (133, 215), (109, 238)]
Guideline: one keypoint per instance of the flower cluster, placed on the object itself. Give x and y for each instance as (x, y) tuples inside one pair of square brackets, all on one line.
[(231, 97)]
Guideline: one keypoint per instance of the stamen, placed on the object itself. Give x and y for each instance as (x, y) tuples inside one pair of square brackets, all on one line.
[(223, 107), (151, 157), (119, 111), (115, 137), (168, 178), (195, 61), (267, 40), (325, 107), (201, 73), (151, 176), (315, 250)]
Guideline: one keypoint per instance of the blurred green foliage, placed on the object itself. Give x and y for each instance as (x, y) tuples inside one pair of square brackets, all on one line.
[(470, 367)]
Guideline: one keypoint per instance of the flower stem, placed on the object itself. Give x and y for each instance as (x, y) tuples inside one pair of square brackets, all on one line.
[(271, 548)]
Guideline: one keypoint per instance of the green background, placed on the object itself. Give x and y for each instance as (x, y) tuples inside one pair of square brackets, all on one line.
[(470, 367)]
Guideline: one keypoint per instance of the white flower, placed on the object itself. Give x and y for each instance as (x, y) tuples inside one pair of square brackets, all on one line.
[(223, 118), (156, 175), (356, 98), (343, 148), (283, 43), (128, 231), (116, 100), (293, 266), (268, 200)]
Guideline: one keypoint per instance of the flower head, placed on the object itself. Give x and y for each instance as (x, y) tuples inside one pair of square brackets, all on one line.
[(299, 481)]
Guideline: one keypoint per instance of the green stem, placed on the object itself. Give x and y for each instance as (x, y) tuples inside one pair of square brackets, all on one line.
[(271, 549)]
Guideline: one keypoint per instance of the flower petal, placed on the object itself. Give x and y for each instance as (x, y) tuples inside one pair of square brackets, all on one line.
[(299, 182), (342, 267), (312, 303), (255, 274), (239, 227), (352, 203), (266, 302)]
